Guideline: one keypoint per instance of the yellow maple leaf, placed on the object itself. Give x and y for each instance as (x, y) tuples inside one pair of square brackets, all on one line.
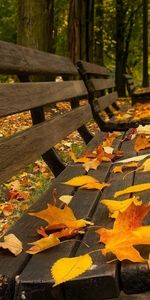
[(43, 244), (58, 218), (133, 189), (65, 269), (119, 206), (66, 199), (80, 180), (12, 243)]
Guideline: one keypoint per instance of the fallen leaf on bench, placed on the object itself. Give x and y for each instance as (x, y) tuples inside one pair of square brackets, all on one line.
[(110, 137), (66, 199), (66, 269), (91, 164), (145, 167), (133, 189), (121, 168), (59, 218), (115, 207), (43, 244), (143, 129), (127, 231), (141, 143), (12, 243), (78, 160), (133, 158), (95, 185), (80, 180), (108, 149)]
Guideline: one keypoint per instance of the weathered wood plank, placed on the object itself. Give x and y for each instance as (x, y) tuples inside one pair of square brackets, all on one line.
[(16, 59), (122, 296), (107, 100), (18, 97), (17, 151), (102, 84), (93, 69)]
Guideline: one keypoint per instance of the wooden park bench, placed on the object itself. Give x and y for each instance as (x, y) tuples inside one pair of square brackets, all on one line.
[(138, 95), (103, 95), (26, 276)]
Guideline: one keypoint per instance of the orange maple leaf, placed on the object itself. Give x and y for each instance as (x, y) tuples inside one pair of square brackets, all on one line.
[(141, 143), (125, 234)]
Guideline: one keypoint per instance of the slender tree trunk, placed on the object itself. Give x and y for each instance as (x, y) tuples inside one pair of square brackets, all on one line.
[(35, 24), (120, 37), (145, 43), (80, 30), (89, 29), (74, 30), (99, 55)]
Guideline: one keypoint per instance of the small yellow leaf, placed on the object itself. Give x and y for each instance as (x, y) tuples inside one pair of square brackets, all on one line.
[(121, 168), (66, 199), (133, 189), (80, 180), (145, 167), (12, 243), (95, 185), (78, 160), (91, 164), (43, 244), (65, 269)]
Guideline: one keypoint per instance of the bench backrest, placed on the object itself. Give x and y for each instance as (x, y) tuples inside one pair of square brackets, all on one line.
[(101, 88), (129, 83), (26, 146)]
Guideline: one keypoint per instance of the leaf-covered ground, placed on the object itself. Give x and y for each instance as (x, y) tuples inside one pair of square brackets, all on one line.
[(25, 188)]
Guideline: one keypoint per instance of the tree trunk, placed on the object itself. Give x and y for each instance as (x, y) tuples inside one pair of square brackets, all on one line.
[(74, 30), (99, 55), (145, 44), (120, 37), (80, 30), (35, 24)]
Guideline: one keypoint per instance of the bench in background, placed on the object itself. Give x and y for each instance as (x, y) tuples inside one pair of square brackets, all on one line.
[(140, 95), (103, 94)]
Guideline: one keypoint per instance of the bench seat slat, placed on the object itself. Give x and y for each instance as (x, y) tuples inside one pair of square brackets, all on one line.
[(93, 69), (19, 60), (29, 95), (25, 147), (107, 100), (101, 84)]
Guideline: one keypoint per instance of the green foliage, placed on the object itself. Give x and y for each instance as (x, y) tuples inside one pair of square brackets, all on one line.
[(8, 20)]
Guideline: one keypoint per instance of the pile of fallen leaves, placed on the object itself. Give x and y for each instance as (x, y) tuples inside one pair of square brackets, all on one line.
[(135, 113)]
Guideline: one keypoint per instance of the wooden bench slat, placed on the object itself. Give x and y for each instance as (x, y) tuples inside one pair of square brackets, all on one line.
[(94, 69), (101, 84), (29, 95), (19, 60), (25, 147), (107, 100)]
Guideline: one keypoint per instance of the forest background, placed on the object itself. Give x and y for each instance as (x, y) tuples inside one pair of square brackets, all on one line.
[(108, 32)]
